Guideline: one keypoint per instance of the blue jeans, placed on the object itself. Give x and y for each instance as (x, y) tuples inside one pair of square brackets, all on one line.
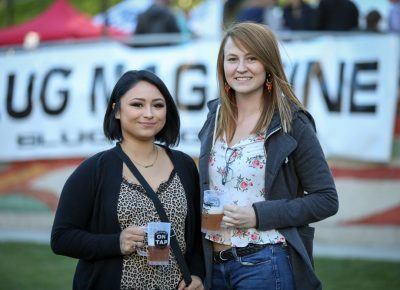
[(267, 269)]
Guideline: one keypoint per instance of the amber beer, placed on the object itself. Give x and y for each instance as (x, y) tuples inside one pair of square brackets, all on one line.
[(211, 221), (212, 210), (158, 243), (157, 255)]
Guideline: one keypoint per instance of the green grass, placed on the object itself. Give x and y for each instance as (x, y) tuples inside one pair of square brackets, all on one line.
[(340, 274), (32, 266)]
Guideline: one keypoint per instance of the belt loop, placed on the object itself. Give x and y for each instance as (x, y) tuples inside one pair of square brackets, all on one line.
[(235, 253)]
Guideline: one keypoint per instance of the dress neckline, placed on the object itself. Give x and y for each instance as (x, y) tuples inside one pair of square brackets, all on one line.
[(163, 184)]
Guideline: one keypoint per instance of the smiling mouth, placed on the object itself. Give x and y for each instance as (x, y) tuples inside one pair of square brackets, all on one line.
[(148, 124), (243, 78)]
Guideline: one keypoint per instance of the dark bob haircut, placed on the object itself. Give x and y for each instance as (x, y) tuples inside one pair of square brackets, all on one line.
[(169, 134)]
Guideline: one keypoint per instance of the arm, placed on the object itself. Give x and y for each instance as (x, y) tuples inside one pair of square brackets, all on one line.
[(188, 173), (314, 176), (71, 233), (195, 261)]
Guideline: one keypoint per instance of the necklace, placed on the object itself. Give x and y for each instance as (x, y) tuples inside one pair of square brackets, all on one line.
[(151, 164)]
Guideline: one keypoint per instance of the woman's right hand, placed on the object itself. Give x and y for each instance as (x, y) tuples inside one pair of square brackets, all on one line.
[(242, 217), (131, 238)]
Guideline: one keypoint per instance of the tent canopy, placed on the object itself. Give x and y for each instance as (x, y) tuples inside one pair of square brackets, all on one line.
[(59, 22)]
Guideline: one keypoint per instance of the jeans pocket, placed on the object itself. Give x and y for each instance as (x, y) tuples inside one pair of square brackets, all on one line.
[(258, 258)]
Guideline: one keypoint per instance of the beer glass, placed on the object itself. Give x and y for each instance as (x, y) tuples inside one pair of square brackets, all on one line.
[(213, 210), (158, 237)]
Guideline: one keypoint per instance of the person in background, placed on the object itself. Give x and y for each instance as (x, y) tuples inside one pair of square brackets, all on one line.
[(103, 207), (372, 21), (253, 11), (394, 16), (298, 15), (230, 10), (158, 18), (261, 11), (337, 15), (259, 147)]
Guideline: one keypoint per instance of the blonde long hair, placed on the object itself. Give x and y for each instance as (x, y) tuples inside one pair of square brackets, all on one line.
[(259, 40)]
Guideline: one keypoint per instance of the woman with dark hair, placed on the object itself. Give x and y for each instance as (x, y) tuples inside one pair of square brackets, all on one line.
[(259, 147), (103, 205)]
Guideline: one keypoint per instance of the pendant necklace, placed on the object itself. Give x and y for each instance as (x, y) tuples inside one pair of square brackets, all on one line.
[(151, 164)]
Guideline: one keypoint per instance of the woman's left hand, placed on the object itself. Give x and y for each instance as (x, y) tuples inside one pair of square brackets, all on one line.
[(239, 217), (195, 285)]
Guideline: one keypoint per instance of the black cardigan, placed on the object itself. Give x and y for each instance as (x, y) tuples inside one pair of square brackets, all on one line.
[(86, 225)]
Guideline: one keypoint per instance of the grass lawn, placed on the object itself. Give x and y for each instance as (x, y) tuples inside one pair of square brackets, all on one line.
[(32, 266), (340, 274)]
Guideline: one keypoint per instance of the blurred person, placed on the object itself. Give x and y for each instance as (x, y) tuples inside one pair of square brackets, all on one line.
[(103, 207), (372, 20), (230, 10), (253, 10), (298, 15), (337, 15), (259, 147), (158, 18), (261, 11), (394, 16), (182, 19)]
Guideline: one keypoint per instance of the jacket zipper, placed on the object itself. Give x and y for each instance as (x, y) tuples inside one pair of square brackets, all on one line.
[(267, 137), (265, 152)]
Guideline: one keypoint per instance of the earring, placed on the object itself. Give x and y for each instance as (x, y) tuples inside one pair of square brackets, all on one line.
[(226, 88), (268, 84)]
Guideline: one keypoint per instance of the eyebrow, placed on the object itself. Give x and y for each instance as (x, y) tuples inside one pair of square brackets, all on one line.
[(234, 54), (142, 99)]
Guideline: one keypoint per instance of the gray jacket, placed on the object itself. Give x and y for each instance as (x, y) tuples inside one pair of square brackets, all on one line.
[(299, 190)]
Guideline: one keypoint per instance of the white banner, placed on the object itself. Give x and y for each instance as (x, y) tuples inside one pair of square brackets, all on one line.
[(53, 99)]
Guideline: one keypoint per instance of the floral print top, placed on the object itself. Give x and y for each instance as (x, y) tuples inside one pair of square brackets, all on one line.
[(239, 170)]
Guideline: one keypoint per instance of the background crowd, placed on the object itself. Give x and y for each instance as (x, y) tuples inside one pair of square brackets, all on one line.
[(209, 18), (299, 15)]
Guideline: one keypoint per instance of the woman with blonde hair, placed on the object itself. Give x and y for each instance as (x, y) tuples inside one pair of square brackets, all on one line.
[(259, 147)]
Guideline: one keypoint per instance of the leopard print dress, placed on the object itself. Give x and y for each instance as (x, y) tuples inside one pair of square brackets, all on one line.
[(135, 208)]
